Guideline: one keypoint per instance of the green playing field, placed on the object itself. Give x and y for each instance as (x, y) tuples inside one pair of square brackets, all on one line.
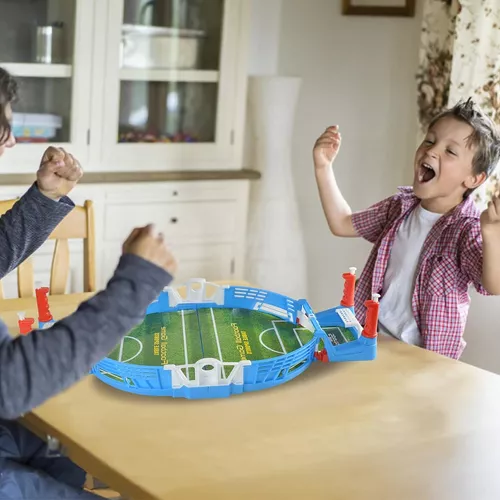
[(229, 335)]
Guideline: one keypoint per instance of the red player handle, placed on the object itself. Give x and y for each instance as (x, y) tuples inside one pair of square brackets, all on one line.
[(349, 286), (25, 324), (370, 329), (42, 303)]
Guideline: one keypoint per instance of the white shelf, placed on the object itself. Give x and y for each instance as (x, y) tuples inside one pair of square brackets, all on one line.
[(35, 70), (168, 75)]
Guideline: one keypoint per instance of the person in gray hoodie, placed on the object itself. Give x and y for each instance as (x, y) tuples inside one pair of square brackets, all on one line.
[(37, 366)]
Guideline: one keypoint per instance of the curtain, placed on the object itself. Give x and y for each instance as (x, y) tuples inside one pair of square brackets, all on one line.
[(460, 58)]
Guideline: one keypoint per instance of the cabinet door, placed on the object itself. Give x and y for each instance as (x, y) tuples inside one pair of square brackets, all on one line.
[(213, 262), (47, 44), (173, 91)]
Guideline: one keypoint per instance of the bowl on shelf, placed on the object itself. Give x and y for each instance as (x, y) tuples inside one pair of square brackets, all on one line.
[(35, 127), (148, 47)]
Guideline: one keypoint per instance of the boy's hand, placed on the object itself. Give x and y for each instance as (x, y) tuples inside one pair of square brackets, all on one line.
[(326, 148), (146, 243), (58, 173), (490, 218)]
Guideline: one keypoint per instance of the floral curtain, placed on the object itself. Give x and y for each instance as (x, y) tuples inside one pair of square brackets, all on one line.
[(460, 58)]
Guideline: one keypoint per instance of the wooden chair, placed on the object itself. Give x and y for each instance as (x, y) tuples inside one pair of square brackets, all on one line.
[(78, 224)]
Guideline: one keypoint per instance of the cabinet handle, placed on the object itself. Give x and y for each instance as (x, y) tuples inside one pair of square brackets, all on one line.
[(175, 193), (174, 220)]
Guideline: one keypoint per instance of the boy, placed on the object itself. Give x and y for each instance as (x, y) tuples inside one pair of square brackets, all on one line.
[(430, 241), (37, 366)]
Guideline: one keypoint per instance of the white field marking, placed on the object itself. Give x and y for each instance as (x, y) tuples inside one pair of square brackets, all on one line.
[(267, 347), (216, 335), (139, 352), (184, 335), (294, 331), (332, 329), (120, 352), (342, 333), (279, 337), (297, 335), (326, 330)]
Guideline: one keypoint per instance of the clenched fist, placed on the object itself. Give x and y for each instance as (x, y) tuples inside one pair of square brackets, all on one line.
[(490, 218), (58, 173), (326, 148), (146, 243)]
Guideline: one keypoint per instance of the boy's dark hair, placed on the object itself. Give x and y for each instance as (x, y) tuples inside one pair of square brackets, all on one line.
[(486, 135), (8, 94)]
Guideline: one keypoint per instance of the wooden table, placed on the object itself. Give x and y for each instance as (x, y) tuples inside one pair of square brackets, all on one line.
[(409, 426)]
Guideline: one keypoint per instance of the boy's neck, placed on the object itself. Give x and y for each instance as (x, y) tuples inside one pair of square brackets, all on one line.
[(441, 205)]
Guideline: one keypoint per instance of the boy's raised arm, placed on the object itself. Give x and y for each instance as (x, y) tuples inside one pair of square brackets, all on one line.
[(490, 229), (337, 211), (369, 223)]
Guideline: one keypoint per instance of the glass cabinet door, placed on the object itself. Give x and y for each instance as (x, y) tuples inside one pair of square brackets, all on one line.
[(37, 45), (168, 76), (159, 37)]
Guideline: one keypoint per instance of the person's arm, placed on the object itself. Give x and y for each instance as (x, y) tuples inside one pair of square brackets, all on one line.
[(368, 224), (490, 233), (41, 364), (337, 211), (25, 227)]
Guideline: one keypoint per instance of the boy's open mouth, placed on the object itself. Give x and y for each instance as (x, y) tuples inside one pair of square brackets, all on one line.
[(425, 173)]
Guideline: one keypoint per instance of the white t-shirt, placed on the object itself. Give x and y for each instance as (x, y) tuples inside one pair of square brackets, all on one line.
[(395, 313)]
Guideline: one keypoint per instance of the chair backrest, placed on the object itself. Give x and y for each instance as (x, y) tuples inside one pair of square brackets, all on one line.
[(78, 224)]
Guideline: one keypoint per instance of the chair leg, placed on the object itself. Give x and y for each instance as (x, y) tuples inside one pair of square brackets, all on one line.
[(99, 488), (106, 493)]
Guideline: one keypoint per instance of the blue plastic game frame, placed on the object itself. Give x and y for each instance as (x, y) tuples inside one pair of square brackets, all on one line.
[(213, 379)]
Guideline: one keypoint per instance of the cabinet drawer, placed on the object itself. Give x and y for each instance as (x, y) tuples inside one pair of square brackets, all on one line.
[(174, 192), (186, 222)]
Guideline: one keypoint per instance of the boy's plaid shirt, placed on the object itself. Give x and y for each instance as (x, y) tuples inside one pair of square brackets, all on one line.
[(451, 260)]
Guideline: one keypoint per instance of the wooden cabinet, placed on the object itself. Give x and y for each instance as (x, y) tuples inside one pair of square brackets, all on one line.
[(132, 87), (204, 223), (128, 85)]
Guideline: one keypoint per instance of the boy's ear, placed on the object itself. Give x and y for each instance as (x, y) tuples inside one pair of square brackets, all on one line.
[(474, 181)]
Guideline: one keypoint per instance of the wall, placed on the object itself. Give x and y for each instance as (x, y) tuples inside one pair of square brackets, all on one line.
[(357, 72), (264, 36), (264, 46)]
